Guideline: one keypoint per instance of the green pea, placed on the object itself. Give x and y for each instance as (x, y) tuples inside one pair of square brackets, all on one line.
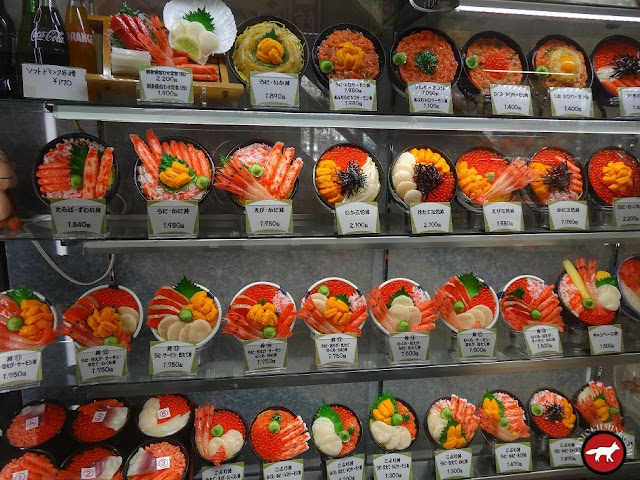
[(536, 314), (490, 176), (536, 410), (403, 326), (112, 341), (446, 413), (472, 61), (396, 419), (203, 182), (588, 303), (185, 315), (504, 422), (14, 324), (400, 58), (542, 71), (324, 290), (256, 170), (344, 435), (76, 181), (458, 306), (274, 426), (217, 431), (269, 332), (326, 66)]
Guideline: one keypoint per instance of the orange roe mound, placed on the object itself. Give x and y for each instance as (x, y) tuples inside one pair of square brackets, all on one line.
[(85, 429), (38, 466), (114, 297), (268, 446), (229, 421), (348, 420), (177, 405), (87, 457), (48, 425), (177, 460), (341, 155)]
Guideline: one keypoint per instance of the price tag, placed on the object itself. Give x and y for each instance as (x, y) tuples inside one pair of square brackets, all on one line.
[(99, 416), (163, 413), (228, 471), (429, 97), (477, 344), (629, 440), (266, 354), (88, 473), (20, 367), (629, 101), (269, 216), (101, 363), (162, 463), (626, 212), (409, 347), (503, 217), (166, 85), (451, 464), (54, 82), (172, 358), (336, 349), (388, 466), (173, 218), (571, 102), (513, 457), (606, 339), (565, 452), (542, 340), (357, 218), (78, 216), (569, 215), (347, 468), (511, 100), (274, 89), (353, 95), (290, 470), (431, 217), (21, 475)]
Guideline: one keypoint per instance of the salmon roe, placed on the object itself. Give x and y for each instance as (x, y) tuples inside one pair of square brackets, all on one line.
[(341, 155), (21, 436), (177, 405), (87, 457)]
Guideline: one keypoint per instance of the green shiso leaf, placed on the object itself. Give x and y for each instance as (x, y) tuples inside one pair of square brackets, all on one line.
[(125, 10), (326, 412), (342, 297), (518, 293), (607, 281), (202, 17), (187, 288), (399, 293), (19, 294), (79, 154), (471, 283), (271, 34), (165, 162)]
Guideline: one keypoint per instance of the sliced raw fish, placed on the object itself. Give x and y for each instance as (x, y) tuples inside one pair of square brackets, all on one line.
[(115, 418), (142, 462), (107, 467), (466, 320)]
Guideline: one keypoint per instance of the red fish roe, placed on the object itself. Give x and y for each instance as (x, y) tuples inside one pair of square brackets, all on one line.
[(485, 161), (114, 297), (22, 436), (445, 191), (336, 287), (38, 466), (349, 420), (392, 287), (177, 405), (341, 155), (258, 292), (267, 445), (485, 297), (87, 457), (229, 421), (555, 429), (85, 429), (524, 284)]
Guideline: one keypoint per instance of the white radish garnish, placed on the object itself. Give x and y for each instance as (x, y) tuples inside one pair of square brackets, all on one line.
[(165, 323), (412, 196)]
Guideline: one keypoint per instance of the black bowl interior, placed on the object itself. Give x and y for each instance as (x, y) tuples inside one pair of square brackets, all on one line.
[(73, 414), (574, 402), (490, 438), (246, 437), (587, 167), (274, 407), (568, 41), (322, 78), (168, 437), (415, 419), (602, 94), (585, 179), (171, 441), (359, 434), (534, 425)]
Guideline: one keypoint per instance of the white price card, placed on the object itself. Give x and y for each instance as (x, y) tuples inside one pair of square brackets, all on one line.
[(273, 89), (569, 215), (626, 212), (511, 100), (288, 470), (513, 457), (542, 340), (431, 217), (21, 475), (54, 82), (265, 354), (396, 466), (78, 216), (477, 344), (453, 464), (629, 101), (409, 347), (20, 367), (429, 97), (269, 216), (565, 452), (227, 471), (606, 339), (357, 218), (163, 463), (503, 217), (173, 218), (336, 349), (88, 473), (571, 102), (346, 468), (629, 440), (353, 95), (101, 363), (166, 85), (172, 357)]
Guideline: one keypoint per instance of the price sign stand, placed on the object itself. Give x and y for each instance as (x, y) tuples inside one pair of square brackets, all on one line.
[(173, 219), (626, 212), (170, 85), (173, 358), (396, 466), (101, 364), (272, 89), (511, 100), (268, 354), (77, 217), (409, 348), (565, 452), (289, 470), (606, 339), (453, 464), (227, 471), (269, 217), (429, 97), (503, 217), (350, 95), (542, 341), (54, 82), (477, 345), (20, 369), (357, 218), (336, 350), (346, 468), (430, 217)]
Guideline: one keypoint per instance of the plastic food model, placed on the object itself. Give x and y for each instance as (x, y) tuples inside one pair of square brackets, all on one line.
[(392, 424), (589, 296), (401, 305), (171, 170), (614, 173), (492, 54), (559, 63), (334, 305), (528, 301), (560, 176), (143, 465), (465, 302), (219, 434), (617, 63), (259, 172), (599, 407), (452, 422), (36, 424), (277, 434), (629, 284), (261, 310), (164, 415), (347, 54), (425, 56), (99, 420), (347, 173), (552, 414), (502, 417), (8, 207), (335, 430), (39, 467), (184, 312), (26, 320), (106, 462), (422, 175), (107, 315)]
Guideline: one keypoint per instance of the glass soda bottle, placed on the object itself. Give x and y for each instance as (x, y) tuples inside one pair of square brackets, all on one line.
[(48, 35), (7, 53), (82, 51), (25, 44)]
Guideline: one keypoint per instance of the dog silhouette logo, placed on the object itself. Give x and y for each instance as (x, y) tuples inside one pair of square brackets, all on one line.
[(603, 452)]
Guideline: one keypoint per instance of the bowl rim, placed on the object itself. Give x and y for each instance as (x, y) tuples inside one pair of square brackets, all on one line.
[(433, 441), (625, 303), (574, 403), (9, 420), (84, 447)]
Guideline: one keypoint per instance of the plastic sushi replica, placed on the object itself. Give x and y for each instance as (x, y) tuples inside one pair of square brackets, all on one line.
[(164, 415), (527, 301), (598, 406), (37, 466), (106, 462), (392, 423), (629, 284), (219, 434), (277, 434), (502, 416), (26, 320), (99, 420), (36, 424), (616, 61), (143, 464), (613, 173), (401, 305), (452, 422), (466, 301), (335, 430), (552, 414), (561, 178)]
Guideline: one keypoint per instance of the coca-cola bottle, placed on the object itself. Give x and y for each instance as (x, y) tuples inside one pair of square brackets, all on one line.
[(7, 53), (49, 38), (25, 44)]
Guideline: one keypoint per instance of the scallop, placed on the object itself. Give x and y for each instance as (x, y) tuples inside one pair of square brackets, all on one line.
[(165, 323), (200, 329), (609, 297), (131, 311), (405, 438), (406, 158), (399, 313), (412, 196), (477, 315), (436, 424), (486, 311), (466, 320), (394, 439), (401, 176), (402, 167), (233, 441), (128, 322), (319, 296), (415, 316), (404, 187), (402, 300), (184, 333), (380, 431), (173, 333)]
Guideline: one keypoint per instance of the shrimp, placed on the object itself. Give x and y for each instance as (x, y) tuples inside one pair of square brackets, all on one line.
[(236, 179), (517, 175)]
